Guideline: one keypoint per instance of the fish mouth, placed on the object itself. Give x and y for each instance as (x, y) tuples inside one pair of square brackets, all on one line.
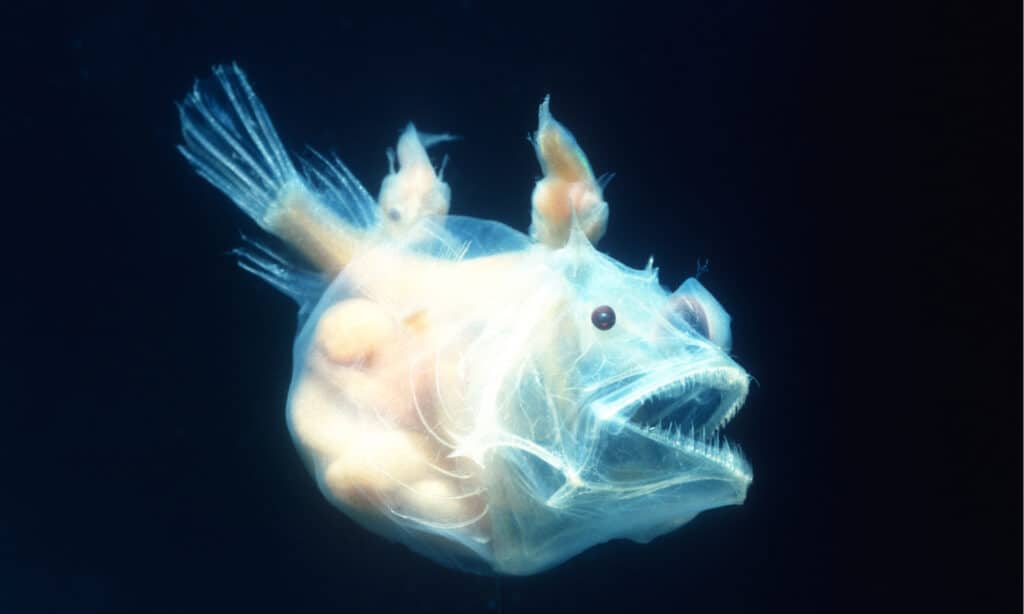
[(682, 409)]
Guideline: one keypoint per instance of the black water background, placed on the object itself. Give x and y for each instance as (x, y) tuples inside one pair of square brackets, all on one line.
[(852, 173)]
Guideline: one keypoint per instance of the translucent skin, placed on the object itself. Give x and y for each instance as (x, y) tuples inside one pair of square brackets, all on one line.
[(450, 390)]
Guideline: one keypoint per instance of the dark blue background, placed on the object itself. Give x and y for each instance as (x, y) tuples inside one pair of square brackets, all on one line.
[(852, 174)]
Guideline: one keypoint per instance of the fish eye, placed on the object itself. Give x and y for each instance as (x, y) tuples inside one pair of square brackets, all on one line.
[(603, 317)]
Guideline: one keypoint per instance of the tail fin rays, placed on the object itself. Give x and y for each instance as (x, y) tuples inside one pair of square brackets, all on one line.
[(302, 285), (230, 140)]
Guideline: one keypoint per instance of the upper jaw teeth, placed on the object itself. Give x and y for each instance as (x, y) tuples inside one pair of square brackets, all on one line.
[(705, 399), (696, 434)]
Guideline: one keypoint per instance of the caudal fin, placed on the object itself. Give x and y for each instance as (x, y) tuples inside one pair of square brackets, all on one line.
[(230, 140)]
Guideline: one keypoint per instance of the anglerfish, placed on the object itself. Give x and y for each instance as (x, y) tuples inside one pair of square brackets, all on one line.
[(495, 400)]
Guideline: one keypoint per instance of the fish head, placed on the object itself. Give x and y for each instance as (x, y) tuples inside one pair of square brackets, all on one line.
[(607, 418)]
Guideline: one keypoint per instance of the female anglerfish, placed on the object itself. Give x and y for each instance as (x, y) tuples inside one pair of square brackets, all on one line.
[(496, 401)]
